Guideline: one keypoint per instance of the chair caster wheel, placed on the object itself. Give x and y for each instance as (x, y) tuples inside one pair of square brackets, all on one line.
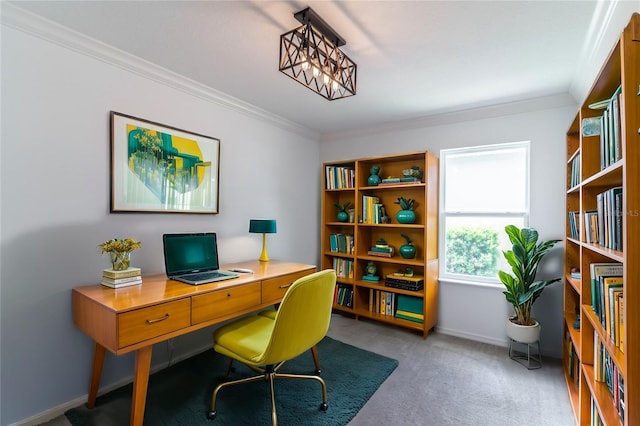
[(211, 415), (324, 406)]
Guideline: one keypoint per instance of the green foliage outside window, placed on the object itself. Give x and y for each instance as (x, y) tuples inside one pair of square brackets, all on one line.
[(472, 251)]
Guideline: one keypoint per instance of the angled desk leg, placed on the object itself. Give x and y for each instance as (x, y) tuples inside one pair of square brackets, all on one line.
[(140, 382), (96, 371)]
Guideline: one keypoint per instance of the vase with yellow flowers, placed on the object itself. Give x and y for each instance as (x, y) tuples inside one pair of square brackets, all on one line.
[(120, 251)]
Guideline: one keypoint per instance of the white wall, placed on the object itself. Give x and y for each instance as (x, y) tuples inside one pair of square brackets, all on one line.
[(480, 312), (55, 206)]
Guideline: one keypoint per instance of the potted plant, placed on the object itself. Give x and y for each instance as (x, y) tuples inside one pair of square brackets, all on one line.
[(406, 215), (522, 288), (120, 251)]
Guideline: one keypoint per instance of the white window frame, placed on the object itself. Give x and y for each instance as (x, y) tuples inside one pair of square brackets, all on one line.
[(443, 215)]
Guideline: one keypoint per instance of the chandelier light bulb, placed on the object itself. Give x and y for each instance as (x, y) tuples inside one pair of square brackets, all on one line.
[(304, 61), (326, 78)]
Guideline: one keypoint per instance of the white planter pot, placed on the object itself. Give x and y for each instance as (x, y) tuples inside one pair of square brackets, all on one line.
[(523, 333)]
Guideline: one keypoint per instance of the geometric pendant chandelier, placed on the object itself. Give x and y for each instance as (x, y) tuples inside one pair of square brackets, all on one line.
[(310, 54)]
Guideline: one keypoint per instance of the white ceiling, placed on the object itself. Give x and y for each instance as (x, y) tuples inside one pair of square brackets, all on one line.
[(415, 58)]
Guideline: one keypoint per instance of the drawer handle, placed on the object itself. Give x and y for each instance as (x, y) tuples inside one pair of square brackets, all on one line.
[(153, 321), (285, 286)]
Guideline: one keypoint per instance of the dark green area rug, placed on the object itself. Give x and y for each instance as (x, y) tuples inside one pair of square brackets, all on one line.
[(181, 394)]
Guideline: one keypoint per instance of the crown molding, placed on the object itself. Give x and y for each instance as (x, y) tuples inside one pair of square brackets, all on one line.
[(497, 110), (45, 29), (607, 23)]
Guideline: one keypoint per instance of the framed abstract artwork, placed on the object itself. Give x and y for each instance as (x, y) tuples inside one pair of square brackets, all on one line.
[(162, 169)]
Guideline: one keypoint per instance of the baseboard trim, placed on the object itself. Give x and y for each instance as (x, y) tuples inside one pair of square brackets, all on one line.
[(546, 352), (59, 410), (474, 337)]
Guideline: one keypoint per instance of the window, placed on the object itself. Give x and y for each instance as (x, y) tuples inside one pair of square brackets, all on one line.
[(482, 190)]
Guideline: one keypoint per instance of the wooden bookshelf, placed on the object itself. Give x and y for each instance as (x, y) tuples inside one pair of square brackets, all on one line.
[(423, 233), (604, 163)]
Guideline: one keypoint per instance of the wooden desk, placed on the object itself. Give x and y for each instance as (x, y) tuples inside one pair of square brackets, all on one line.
[(134, 318)]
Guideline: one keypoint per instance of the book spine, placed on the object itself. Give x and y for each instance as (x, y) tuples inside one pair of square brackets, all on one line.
[(379, 254), (131, 272), (121, 280), (127, 284)]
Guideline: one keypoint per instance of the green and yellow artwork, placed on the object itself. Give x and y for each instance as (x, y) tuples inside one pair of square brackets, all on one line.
[(163, 169), (164, 162)]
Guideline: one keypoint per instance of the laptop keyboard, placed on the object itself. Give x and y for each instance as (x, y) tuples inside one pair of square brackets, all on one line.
[(205, 276)]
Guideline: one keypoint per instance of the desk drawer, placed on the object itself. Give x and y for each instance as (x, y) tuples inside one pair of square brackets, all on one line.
[(224, 302), (273, 289), (146, 323)]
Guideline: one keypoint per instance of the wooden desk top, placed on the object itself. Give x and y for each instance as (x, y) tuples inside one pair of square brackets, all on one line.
[(157, 288)]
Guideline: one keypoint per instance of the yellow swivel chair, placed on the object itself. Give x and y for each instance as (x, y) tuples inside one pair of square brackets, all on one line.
[(265, 344)]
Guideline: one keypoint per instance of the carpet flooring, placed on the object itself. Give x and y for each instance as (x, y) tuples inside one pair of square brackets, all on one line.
[(446, 381), (181, 394)]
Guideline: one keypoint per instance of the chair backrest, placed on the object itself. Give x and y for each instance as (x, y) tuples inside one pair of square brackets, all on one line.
[(303, 318)]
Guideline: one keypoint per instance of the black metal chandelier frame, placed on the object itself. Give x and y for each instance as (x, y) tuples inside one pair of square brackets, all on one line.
[(310, 54)]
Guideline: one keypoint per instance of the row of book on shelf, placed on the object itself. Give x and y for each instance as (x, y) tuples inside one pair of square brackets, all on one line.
[(125, 278), (372, 210), (607, 299), (343, 268), (343, 296), (341, 243), (396, 305), (574, 179), (606, 371), (339, 177), (603, 225), (574, 361), (610, 131), (384, 303)]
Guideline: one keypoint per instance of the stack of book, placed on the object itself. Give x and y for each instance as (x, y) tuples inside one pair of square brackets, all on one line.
[(381, 251), (413, 283), (410, 308), (400, 181), (117, 279)]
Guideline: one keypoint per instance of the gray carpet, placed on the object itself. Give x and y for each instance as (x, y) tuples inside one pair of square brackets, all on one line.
[(445, 380), (181, 394)]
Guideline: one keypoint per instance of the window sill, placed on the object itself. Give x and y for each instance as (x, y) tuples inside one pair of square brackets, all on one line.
[(496, 285)]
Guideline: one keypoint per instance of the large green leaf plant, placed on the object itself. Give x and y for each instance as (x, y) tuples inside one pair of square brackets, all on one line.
[(522, 289)]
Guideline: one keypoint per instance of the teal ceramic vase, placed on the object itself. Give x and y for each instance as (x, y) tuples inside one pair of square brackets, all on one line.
[(407, 251), (406, 216), (374, 179), (343, 216)]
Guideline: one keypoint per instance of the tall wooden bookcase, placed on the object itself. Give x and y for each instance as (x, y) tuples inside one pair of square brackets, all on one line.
[(597, 164), (347, 181)]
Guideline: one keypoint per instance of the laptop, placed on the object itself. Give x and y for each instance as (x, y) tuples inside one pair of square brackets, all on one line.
[(193, 258)]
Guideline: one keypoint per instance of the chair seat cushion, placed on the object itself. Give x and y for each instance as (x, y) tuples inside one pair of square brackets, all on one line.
[(244, 339), (269, 313)]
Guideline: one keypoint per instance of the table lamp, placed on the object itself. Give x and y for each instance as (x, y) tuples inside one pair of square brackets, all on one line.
[(264, 227)]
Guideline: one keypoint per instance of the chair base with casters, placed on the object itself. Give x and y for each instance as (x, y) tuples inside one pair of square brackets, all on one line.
[(270, 313), (265, 342), (270, 374)]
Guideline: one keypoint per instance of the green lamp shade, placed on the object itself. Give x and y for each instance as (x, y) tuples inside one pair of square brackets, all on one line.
[(262, 226)]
